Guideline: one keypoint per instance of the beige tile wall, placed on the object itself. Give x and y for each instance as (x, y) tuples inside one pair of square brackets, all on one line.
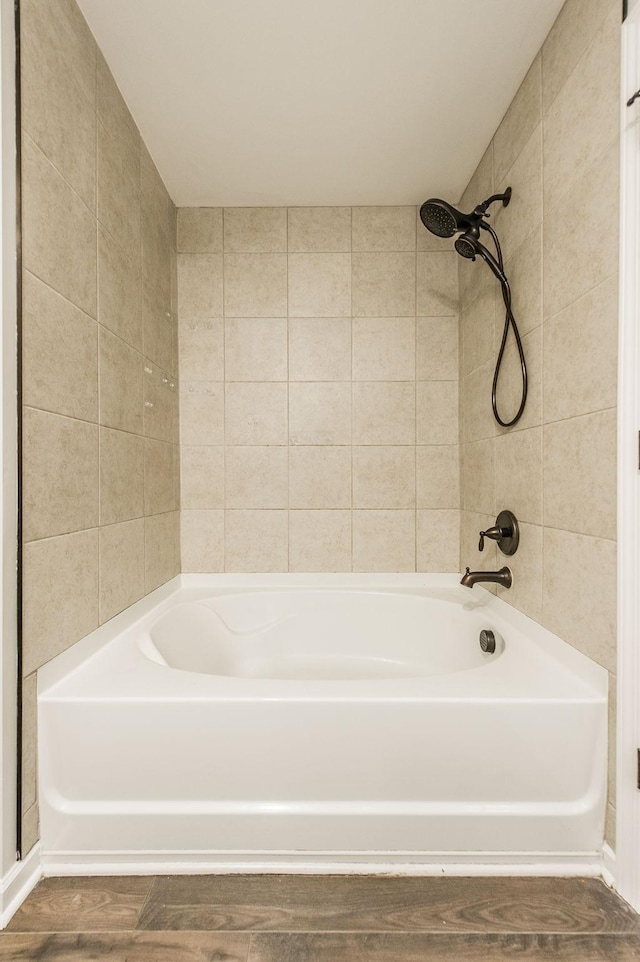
[(319, 404), (558, 148), (100, 392)]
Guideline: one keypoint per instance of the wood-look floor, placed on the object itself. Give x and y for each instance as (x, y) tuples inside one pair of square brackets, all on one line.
[(287, 918)]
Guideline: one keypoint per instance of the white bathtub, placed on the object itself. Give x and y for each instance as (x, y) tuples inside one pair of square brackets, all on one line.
[(275, 721)]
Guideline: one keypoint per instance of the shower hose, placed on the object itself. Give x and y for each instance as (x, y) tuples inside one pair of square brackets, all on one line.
[(509, 320)]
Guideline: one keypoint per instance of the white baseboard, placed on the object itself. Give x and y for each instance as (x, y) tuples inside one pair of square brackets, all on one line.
[(21, 878), (609, 866), (380, 863)]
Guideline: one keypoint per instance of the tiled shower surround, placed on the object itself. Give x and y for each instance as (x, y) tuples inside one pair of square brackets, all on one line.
[(318, 391), (100, 464), (558, 147), (319, 421)]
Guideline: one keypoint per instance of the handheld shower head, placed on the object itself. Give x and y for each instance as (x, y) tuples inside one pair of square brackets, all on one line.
[(444, 220), (468, 245)]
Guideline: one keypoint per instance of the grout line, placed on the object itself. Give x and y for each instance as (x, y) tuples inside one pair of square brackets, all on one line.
[(544, 321), (415, 404), (352, 565), (286, 213), (224, 399)]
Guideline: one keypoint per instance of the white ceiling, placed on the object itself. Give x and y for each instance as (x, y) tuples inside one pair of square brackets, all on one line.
[(304, 102)]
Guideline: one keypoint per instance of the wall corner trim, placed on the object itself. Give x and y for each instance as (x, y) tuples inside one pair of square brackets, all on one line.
[(608, 866), (21, 878)]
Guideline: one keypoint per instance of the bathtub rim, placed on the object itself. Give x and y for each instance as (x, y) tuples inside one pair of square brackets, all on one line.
[(159, 600)]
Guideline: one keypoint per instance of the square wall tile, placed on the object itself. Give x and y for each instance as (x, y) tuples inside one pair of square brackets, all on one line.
[(384, 413), (256, 541), (255, 285), (438, 541), (319, 285), (156, 202), (518, 467), (315, 230), (159, 490), (526, 566), (199, 230), (478, 477), (580, 362), (384, 349), (253, 230), (478, 330), (119, 290), (255, 413), (520, 120), (320, 541), (114, 115), (569, 38), (59, 353), (320, 349), (202, 477), (59, 102), (509, 391), (119, 203), (581, 235), (58, 231), (580, 468), (202, 541), (65, 28), (525, 178), (437, 348), (437, 283), (384, 285), (121, 476), (320, 477), (384, 541), (158, 328), (121, 567), (438, 476), (160, 405), (437, 412), (202, 349), (156, 256), (589, 622), (29, 741), (524, 270), (384, 229), (159, 550), (121, 400), (200, 285), (320, 413), (60, 473), (255, 348), (63, 567), (384, 477), (256, 477), (201, 413), (593, 124), (476, 415)]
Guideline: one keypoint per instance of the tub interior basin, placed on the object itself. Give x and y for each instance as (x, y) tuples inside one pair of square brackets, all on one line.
[(316, 635)]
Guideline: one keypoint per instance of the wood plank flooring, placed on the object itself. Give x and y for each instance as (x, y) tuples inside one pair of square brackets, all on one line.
[(289, 918)]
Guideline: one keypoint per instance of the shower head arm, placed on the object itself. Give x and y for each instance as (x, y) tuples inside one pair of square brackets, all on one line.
[(505, 197)]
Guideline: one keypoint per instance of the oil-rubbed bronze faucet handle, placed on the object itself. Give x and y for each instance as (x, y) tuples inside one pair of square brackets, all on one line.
[(505, 532)]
